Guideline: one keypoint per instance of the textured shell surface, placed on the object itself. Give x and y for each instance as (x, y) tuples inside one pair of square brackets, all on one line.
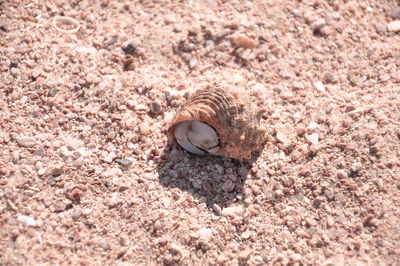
[(230, 112)]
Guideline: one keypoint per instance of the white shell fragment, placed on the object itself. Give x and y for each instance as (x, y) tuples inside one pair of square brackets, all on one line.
[(26, 220), (197, 137), (66, 21)]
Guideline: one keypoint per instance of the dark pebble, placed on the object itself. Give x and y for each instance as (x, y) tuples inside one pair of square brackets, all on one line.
[(124, 162), (129, 48)]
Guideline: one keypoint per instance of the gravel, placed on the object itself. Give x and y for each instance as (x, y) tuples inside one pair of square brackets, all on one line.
[(87, 176)]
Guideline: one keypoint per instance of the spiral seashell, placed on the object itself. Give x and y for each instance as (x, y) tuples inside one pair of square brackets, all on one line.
[(218, 121)]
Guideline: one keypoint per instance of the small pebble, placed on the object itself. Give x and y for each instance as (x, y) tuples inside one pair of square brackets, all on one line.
[(342, 174), (193, 63), (59, 206), (123, 188), (124, 162), (177, 249), (356, 167), (370, 221), (15, 72), (380, 27), (108, 157), (312, 126), (379, 183), (26, 220), (330, 222), (288, 148), (217, 209), (56, 170), (284, 133), (90, 78), (330, 78), (325, 31), (244, 254), (228, 186), (317, 202), (75, 194), (317, 25), (208, 187), (350, 108), (77, 213), (232, 177), (112, 41), (131, 104), (141, 108), (112, 172), (319, 86), (229, 211), (112, 202), (242, 171), (111, 135), (286, 95), (339, 196), (155, 107), (41, 171), (395, 13), (246, 235), (129, 48), (158, 225), (145, 129), (394, 26), (295, 257), (313, 138), (245, 42), (205, 233), (26, 141), (278, 193), (311, 222), (297, 86), (330, 108), (13, 63)]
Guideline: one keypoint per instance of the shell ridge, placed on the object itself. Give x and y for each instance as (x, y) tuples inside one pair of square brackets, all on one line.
[(220, 100)]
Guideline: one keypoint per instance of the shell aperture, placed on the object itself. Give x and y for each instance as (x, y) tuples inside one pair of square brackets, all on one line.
[(197, 137)]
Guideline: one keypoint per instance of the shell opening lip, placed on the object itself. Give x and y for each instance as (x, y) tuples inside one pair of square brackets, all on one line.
[(66, 21), (204, 150)]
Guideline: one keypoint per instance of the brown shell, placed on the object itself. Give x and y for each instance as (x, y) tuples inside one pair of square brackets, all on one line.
[(231, 113)]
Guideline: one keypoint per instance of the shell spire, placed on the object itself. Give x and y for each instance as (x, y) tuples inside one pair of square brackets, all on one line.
[(219, 121)]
